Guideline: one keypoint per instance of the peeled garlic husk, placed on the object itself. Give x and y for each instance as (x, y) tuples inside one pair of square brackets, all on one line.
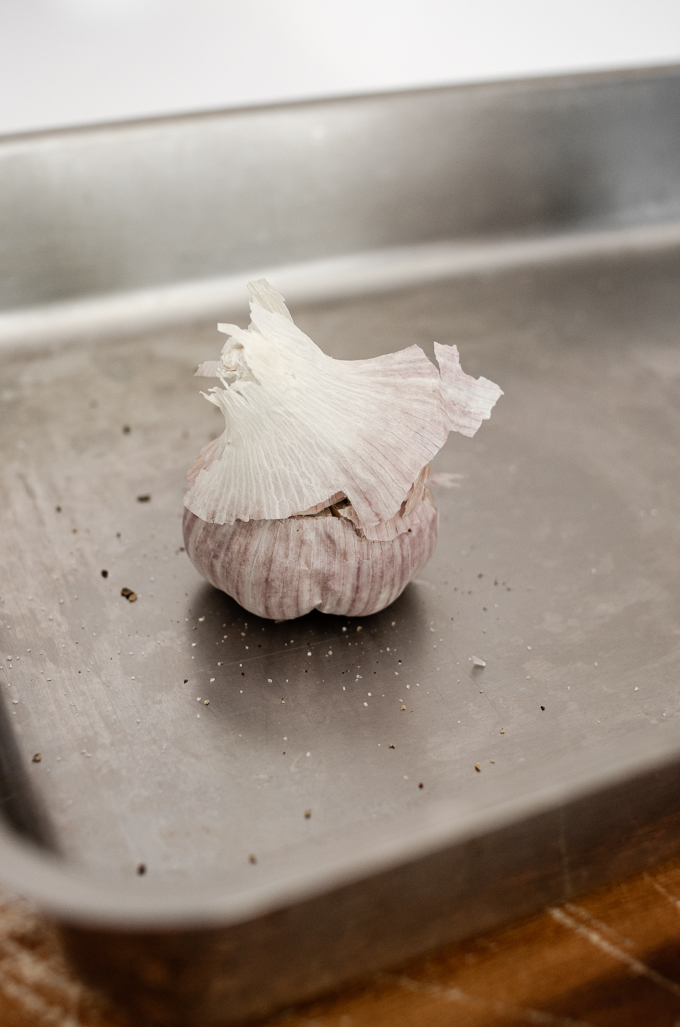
[(315, 496)]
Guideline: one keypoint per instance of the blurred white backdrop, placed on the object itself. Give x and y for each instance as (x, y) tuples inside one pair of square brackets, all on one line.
[(69, 62)]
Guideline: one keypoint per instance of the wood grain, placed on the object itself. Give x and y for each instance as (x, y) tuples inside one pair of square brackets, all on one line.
[(611, 959)]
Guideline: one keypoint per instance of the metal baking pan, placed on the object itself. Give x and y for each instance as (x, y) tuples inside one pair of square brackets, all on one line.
[(535, 224)]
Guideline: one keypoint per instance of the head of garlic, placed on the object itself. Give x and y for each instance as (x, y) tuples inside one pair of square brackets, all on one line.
[(315, 496)]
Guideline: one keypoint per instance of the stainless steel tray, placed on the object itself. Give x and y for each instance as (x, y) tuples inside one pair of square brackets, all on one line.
[(169, 838)]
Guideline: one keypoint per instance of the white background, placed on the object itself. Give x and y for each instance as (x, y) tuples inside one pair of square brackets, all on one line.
[(65, 62)]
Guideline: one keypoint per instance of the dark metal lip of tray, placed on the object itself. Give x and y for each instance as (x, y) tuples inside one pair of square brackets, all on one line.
[(129, 228), (73, 899)]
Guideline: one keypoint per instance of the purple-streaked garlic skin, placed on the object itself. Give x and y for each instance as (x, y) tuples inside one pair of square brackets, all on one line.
[(282, 569)]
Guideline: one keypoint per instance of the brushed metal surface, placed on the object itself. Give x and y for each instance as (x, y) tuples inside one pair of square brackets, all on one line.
[(137, 311), (125, 207), (557, 564)]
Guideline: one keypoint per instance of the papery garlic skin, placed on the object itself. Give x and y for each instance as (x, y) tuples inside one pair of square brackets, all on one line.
[(281, 569), (301, 426)]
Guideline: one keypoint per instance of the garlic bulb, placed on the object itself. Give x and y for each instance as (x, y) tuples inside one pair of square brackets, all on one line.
[(315, 495)]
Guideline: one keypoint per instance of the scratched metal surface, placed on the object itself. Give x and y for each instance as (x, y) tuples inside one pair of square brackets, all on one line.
[(557, 563)]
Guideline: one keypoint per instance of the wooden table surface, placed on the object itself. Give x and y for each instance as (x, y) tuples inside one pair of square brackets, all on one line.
[(611, 958)]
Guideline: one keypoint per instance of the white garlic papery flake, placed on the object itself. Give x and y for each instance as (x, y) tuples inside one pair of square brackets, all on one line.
[(315, 496)]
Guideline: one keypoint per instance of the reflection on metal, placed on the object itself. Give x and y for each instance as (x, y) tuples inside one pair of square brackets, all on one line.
[(144, 310)]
